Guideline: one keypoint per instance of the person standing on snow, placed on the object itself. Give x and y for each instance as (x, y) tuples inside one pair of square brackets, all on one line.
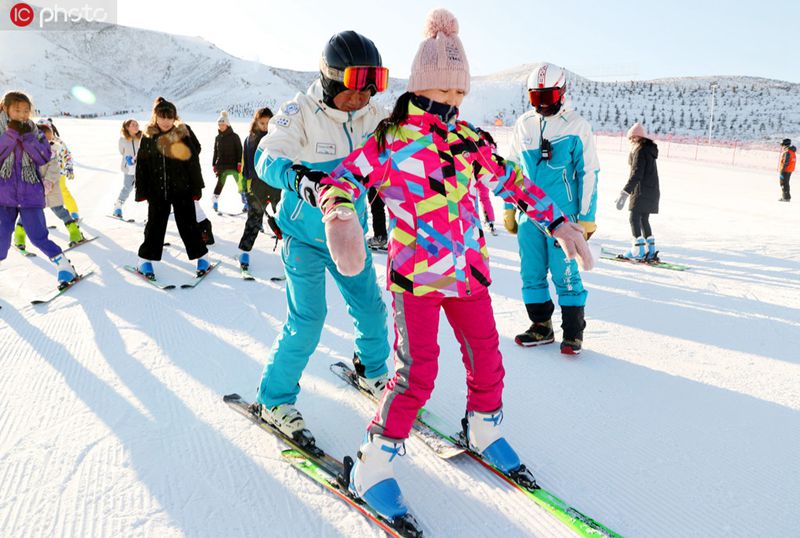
[(259, 193), (23, 150), (308, 137), (424, 163), (227, 159), (643, 189), (129, 142), (786, 167), (168, 176), (556, 149)]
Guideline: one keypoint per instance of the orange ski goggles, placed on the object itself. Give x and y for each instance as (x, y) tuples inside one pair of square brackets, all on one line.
[(360, 77)]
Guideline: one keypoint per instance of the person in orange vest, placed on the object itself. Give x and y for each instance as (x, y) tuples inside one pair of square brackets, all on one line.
[(786, 167)]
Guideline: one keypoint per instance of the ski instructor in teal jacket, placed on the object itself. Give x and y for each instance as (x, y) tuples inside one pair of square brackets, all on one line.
[(309, 137), (555, 147)]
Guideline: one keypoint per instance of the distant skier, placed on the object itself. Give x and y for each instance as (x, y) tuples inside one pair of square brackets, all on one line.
[(259, 193), (23, 149), (168, 176), (643, 189), (309, 136), (786, 167), (130, 141), (437, 256), (227, 159), (555, 147)]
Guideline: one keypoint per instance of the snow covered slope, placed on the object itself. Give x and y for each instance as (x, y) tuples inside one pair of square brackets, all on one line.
[(682, 417), (126, 68)]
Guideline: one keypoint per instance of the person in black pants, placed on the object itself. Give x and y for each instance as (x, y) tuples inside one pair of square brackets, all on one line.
[(643, 189), (786, 167), (259, 193), (378, 210), (168, 176)]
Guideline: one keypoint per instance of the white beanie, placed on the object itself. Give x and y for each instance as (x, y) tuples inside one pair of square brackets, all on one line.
[(223, 118)]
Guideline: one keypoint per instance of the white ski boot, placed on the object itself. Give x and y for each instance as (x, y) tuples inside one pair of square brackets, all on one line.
[(482, 432), (372, 477), (288, 420)]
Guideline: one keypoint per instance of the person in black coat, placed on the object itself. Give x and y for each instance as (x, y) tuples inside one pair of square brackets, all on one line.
[(227, 160), (643, 189), (259, 193), (168, 176)]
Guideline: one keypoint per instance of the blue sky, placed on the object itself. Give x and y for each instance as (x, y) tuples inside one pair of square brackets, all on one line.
[(603, 40)]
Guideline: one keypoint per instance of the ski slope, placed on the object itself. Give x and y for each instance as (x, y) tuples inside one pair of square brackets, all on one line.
[(681, 418)]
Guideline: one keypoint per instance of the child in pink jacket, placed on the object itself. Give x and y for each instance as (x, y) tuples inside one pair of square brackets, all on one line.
[(423, 163)]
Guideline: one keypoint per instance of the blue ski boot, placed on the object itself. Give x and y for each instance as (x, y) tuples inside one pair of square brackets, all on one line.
[(117, 212), (202, 266), (482, 433), (215, 203), (637, 251), (146, 269), (244, 260), (372, 476), (651, 248)]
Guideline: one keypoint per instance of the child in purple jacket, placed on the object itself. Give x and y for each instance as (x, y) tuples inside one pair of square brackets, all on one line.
[(23, 149)]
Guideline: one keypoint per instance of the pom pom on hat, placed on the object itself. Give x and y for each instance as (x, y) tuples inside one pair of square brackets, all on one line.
[(223, 118), (440, 21)]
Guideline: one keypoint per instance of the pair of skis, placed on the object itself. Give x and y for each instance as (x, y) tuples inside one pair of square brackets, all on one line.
[(611, 254), (162, 286), (334, 475), (429, 427)]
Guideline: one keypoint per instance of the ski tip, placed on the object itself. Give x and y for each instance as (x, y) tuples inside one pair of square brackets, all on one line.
[(231, 397)]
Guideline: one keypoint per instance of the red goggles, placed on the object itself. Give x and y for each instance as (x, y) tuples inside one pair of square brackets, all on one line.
[(545, 96), (361, 78)]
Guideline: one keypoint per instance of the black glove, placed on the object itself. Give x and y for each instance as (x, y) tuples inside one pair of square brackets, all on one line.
[(486, 137), (19, 126), (307, 183)]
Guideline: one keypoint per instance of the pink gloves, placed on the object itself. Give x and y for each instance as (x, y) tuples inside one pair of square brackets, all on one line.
[(570, 237), (346, 240)]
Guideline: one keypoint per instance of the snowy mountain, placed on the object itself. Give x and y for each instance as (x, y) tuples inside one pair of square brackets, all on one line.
[(125, 68)]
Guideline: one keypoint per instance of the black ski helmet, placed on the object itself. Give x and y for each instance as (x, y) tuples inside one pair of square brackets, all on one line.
[(346, 49), (786, 142)]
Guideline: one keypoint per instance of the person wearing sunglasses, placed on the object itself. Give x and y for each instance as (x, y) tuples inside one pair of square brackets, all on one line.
[(307, 138), (555, 147)]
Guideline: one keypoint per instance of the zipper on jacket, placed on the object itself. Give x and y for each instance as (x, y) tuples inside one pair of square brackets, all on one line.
[(566, 184), (344, 126)]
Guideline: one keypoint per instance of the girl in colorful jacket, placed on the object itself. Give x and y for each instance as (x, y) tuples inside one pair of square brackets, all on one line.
[(23, 149), (66, 169), (423, 162)]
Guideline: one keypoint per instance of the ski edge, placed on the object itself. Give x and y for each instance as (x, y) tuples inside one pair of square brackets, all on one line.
[(156, 283), (59, 292)]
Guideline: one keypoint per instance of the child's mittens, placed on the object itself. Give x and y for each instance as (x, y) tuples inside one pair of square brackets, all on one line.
[(345, 240), (570, 237)]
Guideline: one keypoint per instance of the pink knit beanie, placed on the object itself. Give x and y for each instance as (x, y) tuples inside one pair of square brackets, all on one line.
[(441, 62), (637, 130)]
